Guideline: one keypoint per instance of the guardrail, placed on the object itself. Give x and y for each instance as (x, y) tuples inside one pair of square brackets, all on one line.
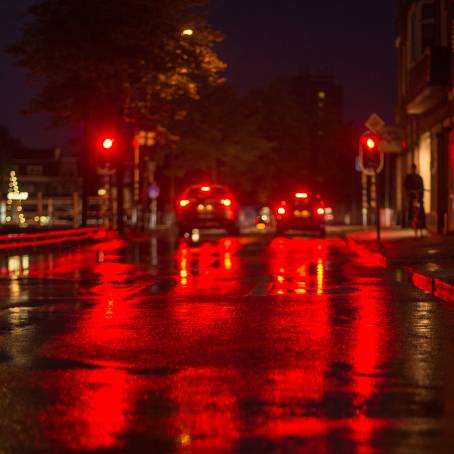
[(31, 240)]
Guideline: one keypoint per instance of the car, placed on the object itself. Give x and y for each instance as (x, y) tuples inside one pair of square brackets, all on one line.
[(264, 218), (301, 211), (207, 206)]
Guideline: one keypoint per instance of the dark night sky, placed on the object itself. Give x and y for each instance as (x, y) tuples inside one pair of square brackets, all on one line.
[(354, 39)]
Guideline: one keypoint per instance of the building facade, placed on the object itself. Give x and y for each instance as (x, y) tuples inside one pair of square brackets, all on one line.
[(425, 106)]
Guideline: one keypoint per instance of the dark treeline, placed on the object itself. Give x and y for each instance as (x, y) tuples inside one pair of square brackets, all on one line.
[(130, 65), (264, 145)]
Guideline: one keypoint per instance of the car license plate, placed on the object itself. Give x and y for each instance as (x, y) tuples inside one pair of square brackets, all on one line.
[(302, 214), (205, 208)]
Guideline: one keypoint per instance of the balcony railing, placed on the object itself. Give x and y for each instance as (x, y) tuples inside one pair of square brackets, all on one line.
[(428, 80)]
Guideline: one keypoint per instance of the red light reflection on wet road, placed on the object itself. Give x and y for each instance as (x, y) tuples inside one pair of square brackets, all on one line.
[(93, 410), (204, 363), (209, 266), (298, 266)]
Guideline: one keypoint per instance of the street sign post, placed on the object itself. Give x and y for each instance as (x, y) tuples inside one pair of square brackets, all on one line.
[(153, 192), (389, 140)]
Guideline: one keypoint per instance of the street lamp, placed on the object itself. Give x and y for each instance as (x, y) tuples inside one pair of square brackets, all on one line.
[(187, 32)]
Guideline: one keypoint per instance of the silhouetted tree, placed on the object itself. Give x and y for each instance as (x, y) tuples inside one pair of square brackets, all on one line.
[(220, 138), (130, 57), (116, 61), (282, 122)]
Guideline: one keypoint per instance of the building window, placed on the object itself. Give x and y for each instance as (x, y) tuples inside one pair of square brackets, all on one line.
[(422, 29)]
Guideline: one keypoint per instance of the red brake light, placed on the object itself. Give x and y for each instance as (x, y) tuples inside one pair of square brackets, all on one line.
[(226, 202), (184, 203), (205, 188), (320, 211), (281, 210), (301, 195)]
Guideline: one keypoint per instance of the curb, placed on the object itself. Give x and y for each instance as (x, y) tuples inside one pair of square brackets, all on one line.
[(437, 287), (24, 241), (375, 258), (443, 290)]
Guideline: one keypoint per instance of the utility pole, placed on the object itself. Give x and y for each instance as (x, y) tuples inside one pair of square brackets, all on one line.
[(364, 199)]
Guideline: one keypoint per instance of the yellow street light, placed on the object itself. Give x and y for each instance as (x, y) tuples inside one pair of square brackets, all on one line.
[(187, 32)]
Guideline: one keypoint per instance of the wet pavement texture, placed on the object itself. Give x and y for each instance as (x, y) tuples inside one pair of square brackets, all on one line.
[(249, 344)]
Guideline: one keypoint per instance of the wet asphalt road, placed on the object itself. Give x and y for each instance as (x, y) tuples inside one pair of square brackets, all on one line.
[(247, 344)]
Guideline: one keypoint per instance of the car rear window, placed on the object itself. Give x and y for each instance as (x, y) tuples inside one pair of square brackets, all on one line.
[(305, 203), (215, 192)]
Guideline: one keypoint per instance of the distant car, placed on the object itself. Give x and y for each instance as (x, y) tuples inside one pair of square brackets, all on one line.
[(207, 206), (264, 218), (301, 211)]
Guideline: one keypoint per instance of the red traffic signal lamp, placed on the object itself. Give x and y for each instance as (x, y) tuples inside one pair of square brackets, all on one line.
[(108, 143), (106, 149), (370, 155)]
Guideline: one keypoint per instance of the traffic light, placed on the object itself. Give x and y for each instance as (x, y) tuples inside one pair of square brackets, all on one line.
[(371, 156), (106, 145)]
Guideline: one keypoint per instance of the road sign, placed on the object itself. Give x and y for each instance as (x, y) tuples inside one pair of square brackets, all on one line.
[(391, 138), (375, 123), (153, 191)]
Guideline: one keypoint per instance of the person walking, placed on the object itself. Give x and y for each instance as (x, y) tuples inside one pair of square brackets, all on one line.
[(414, 191)]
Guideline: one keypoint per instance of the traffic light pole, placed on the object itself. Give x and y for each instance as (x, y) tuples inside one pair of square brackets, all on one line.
[(372, 160), (377, 205), (120, 200)]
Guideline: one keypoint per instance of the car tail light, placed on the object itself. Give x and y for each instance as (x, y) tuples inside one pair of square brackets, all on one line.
[(301, 195), (184, 203), (205, 188), (281, 210), (320, 211), (226, 202)]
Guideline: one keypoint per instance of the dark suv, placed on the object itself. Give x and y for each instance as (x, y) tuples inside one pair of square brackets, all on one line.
[(301, 212), (207, 206)]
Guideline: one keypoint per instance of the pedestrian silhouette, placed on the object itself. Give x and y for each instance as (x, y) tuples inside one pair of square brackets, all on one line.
[(414, 191)]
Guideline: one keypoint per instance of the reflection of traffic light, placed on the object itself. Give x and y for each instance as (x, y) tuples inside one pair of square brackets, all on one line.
[(371, 156)]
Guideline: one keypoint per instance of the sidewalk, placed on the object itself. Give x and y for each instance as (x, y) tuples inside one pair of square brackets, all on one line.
[(429, 260)]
